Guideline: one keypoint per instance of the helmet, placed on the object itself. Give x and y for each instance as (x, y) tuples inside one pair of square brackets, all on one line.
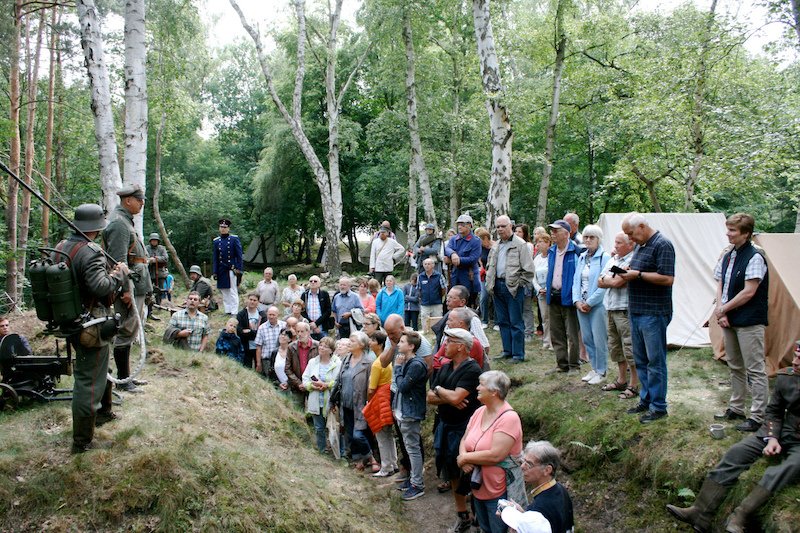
[(154, 237), (89, 217), (194, 269)]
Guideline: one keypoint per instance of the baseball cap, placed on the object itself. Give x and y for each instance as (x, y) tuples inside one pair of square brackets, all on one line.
[(527, 522), (561, 224)]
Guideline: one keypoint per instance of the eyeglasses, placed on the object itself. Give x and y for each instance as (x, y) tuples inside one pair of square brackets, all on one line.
[(528, 464), (313, 281), (502, 225)]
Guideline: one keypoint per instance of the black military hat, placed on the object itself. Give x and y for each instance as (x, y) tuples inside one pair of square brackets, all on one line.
[(225, 222), (89, 217), (131, 190)]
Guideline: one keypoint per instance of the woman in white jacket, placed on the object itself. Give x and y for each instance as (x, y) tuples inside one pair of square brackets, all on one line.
[(318, 379)]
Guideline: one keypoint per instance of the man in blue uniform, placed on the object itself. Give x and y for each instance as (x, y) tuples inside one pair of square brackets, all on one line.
[(226, 265), (463, 251)]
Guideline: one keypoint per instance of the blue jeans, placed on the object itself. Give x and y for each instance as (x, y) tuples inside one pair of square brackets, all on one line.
[(508, 316), (486, 513), (319, 430), (359, 445), (594, 330), (649, 339)]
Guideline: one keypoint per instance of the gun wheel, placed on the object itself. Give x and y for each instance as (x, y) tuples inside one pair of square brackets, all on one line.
[(8, 397)]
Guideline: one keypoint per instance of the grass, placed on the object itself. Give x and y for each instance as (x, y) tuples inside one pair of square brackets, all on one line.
[(210, 447)]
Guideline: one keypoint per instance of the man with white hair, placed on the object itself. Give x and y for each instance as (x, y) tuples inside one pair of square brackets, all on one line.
[(650, 278), (463, 251), (509, 273), (562, 261), (574, 223), (267, 290)]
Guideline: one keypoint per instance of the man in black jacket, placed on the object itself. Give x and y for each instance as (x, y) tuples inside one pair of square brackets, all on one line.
[(318, 308), (250, 318)]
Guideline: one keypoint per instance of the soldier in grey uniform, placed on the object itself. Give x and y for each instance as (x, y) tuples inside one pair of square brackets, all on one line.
[(202, 286), (778, 436), (91, 397), (123, 244), (157, 262)]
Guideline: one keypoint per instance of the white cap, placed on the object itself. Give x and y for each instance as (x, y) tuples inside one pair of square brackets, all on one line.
[(464, 218), (527, 522)]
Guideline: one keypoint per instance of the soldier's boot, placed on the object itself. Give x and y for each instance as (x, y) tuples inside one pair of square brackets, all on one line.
[(738, 518), (105, 414), (122, 358), (705, 505), (82, 433)]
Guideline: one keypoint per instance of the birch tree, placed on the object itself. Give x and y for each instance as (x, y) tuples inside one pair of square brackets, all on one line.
[(30, 152), (502, 135), (135, 163), (55, 18), (328, 181), (417, 169), (13, 157), (94, 58)]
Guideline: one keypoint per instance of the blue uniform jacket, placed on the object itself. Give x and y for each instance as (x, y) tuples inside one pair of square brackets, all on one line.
[(567, 274), (227, 256), (469, 251)]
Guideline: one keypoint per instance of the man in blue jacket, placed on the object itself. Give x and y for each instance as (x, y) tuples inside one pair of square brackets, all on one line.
[(463, 251), (227, 266), (561, 260)]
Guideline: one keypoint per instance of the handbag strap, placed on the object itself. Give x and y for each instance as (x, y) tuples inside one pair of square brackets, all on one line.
[(490, 427)]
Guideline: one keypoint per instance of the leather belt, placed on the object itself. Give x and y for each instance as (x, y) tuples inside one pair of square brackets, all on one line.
[(139, 260)]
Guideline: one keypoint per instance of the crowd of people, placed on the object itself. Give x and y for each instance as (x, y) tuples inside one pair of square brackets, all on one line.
[(358, 365)]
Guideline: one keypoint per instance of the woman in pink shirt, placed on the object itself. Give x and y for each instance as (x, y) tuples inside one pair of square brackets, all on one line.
[(493, 434), (367, 299)]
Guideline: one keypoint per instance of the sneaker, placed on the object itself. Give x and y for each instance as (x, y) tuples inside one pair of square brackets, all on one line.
[(515, 361), (401, 477), (129, 387), (640, 408), (382, 473), (501, 357), (485, 325), (405, 485), (729, 414), (413, 492), (652, 416), (598, 378), (496, 327), (748, 426), (462, 525), (589, 376)]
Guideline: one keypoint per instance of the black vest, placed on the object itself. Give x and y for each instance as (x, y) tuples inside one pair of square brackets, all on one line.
[(755, 311)]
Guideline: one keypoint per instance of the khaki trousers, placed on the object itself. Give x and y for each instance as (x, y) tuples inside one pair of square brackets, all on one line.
[(744, 351)]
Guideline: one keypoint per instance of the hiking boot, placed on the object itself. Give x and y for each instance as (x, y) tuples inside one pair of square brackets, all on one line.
[(413, 492), (104, 418), (729, 414), (700, 514), (748, 425), (129, 387), (640, 408), (652, 416)]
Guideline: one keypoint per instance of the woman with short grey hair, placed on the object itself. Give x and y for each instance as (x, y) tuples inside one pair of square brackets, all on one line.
[(492, 441), (291, 294)]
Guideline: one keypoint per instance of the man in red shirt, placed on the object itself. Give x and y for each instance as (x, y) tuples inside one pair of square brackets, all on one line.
[(459, 317)]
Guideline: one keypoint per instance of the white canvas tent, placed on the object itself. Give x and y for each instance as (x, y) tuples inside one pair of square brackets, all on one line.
[(698, 238)]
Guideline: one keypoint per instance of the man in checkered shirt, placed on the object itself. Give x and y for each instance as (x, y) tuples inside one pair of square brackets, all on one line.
[(267, 339), (193, 324), (650, 278)]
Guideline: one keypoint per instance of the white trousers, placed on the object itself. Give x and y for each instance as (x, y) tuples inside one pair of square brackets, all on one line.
[(230, 297)]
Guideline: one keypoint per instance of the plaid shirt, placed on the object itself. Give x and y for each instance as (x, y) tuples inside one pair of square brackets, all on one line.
[(267, 337), (313, 309), (198, 325), (656, 255), (756, 269)]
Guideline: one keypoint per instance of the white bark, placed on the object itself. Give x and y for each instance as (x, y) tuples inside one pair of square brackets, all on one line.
[(417, 168), (333, 210), (92, 44), (135, 164), (497, 201), (413, 225), (13, 158)]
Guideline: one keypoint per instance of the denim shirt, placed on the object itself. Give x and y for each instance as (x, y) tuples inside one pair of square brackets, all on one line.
[(410, 378), (596, 266)]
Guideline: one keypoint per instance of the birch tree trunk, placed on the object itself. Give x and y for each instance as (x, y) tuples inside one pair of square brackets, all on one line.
[(413, 225), (550, 132), (417, 168), (92, 44), (30, 150), (55, 18), (157, 212), (135, 163), (13, 158), (497, 201), (328, 182)]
